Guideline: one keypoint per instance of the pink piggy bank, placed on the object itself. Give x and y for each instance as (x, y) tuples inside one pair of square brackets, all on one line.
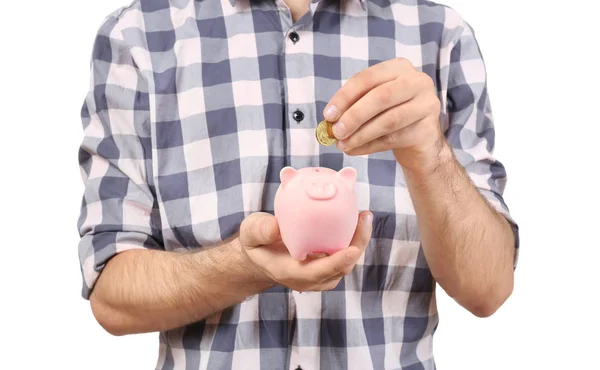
[(316, 209)]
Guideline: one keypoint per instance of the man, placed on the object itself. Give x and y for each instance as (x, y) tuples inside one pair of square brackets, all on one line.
[(194, 109)]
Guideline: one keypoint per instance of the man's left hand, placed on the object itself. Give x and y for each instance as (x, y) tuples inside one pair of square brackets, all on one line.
[(389, 106)]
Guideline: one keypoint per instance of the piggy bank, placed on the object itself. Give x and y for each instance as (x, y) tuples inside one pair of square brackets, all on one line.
[(316, 209)]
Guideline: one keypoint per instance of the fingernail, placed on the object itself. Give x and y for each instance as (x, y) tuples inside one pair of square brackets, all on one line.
[(368, 218), (331, 113), (339, 130)]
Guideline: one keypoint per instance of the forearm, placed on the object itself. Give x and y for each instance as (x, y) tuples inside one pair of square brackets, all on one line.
[(468, 246), (145, 290)]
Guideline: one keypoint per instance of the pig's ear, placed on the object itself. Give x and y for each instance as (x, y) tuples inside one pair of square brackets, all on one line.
[(348, 174), (286, 174)]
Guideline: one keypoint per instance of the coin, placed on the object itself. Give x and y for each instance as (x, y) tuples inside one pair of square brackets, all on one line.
[(324, 133)]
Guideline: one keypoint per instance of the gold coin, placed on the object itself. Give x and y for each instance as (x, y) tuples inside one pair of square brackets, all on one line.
[(324, 133)]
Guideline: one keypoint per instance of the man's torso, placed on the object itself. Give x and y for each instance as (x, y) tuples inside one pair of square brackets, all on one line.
[(233, 98)]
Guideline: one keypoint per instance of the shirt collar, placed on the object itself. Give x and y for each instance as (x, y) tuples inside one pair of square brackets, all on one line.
[(313, 2)]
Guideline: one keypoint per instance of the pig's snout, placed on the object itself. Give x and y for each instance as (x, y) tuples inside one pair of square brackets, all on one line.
[(321, 190)]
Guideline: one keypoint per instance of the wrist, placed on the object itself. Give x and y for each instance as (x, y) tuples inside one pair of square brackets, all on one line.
[(251, 271), (228, 263), (437, 158)]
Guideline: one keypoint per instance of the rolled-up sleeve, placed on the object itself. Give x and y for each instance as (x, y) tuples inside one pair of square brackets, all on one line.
[(118, 210), (470, 127)]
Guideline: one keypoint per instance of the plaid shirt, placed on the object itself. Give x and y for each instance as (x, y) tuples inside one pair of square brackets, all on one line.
[(194, 108)]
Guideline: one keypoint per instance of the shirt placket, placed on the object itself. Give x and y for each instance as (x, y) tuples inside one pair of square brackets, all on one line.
[(302, 150), (305, 353)]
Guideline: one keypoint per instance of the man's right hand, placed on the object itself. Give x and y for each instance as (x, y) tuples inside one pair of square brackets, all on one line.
[(262, 247)]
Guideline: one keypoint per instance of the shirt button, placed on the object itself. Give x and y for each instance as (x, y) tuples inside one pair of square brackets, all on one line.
[(298, 116), (294, 37)]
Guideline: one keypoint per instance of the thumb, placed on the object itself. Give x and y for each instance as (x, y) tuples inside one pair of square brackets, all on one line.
[(258, 229)]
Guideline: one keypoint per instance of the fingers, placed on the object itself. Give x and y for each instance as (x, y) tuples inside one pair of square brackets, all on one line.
[(303, 275), (392, 120), (404, 138), (373, 103), (361, 83), (327, 285), (342, 262), (317, 271), (259, 229), (364, 230)]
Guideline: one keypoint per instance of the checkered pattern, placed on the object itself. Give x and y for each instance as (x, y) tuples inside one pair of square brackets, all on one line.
[(189, 121)]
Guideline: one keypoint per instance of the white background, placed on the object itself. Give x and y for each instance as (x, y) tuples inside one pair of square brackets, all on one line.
[(543, 81)]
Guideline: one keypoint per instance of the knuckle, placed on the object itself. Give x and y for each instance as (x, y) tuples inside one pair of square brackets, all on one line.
[(389, 122), (397, 116), (351, 117), (385, 94), (343, 95), (252, 221), (403, 62), (425, 81), (365, 76), (433, 105), (355, 83), (389, 139), (255, 229), (404, 82), (359, 82)]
